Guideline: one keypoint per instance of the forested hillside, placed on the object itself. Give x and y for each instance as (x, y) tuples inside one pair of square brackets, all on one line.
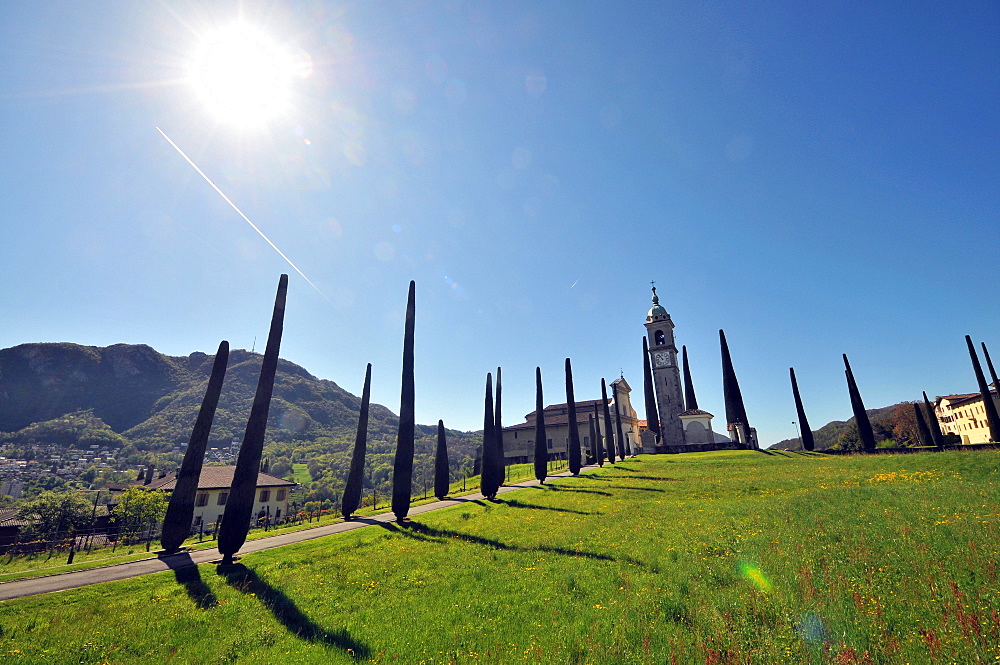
[(145, 403), (894, 425)]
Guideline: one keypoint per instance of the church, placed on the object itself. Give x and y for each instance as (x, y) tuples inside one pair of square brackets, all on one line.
[(674, 422)]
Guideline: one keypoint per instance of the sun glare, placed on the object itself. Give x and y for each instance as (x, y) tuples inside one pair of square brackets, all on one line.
[(245, 78)]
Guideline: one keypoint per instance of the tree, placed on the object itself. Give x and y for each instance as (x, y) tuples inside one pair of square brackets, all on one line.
[(52, 513), (499, 428), (593, 439), (989, 364), (807, 436), (541, 443), (402, 468), (574, 432), (690, 399), (441, 479), (180, 511), (902, 424), (598, 444), (923, 432), (936, 436), (864, 425), (355, 478), (239, 507), (992, 418), (652, 416), (622, 443), (136, 509), (736, 413), (609, 436), (489, 481)]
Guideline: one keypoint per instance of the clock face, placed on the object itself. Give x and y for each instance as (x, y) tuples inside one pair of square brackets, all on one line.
[(661, 358)]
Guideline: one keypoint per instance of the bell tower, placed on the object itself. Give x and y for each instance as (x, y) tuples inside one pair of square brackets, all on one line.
[(666, 375)]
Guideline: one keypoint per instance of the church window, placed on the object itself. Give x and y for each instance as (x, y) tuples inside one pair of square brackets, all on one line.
[(659, 338), (550, 443)]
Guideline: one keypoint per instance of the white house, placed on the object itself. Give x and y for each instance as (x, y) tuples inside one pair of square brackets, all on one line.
[(271, 500)]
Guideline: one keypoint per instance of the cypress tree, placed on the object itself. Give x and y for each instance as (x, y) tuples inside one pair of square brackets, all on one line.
[(598, 444), (690, 400), (402, 469), (574, 432), (541, 443), (180, 510), (489, 481), (992, 418), (441, 479), (351, 500), (593, 439), (989, 364), (652, 416), (622, 444), (936, 436), (609, 436), (860, 415), (736, 412), (923, 432), (498, 426), (150, 470), (807, 436), (239, 507)]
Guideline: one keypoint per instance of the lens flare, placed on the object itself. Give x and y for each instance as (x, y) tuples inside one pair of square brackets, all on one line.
[(756, 576)]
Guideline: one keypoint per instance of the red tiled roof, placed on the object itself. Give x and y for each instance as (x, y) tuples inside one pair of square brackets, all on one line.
[(694, 412), (9, 518), (216, 477), (554, 420), (958, 400)]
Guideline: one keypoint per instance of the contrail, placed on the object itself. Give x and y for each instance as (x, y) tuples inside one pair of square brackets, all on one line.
[(240, 213)]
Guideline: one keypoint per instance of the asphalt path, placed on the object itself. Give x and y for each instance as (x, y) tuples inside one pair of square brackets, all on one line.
[(64, 581)]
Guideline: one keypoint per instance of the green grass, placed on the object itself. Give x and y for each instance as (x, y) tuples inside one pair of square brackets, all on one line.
[(734, 557), (36, 565), (301, 472)]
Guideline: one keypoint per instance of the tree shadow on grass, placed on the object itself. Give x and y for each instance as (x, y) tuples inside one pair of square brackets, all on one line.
[(638, 489), (423, 532), (460, 499), (186, 573), (288, 614), (610, 477), (514, 503), (563, 488)]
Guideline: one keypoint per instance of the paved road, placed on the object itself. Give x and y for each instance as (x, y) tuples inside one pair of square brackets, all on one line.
[(121, 571)]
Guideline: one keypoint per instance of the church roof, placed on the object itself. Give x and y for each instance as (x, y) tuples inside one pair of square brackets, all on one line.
[(216, 477), (695, 412)]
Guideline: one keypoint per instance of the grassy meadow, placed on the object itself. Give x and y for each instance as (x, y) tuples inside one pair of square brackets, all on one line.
[(715, 558)]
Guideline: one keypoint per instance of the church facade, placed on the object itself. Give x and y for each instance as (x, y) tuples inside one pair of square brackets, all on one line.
[(519, 440), (677, 426)]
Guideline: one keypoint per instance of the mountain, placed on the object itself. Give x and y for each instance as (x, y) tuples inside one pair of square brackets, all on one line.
[(133, 397), (894, 422)]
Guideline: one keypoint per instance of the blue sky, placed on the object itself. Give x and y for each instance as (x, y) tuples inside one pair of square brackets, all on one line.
[(814, 178)]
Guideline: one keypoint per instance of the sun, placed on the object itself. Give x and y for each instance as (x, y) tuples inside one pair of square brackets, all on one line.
[(245, 78)]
